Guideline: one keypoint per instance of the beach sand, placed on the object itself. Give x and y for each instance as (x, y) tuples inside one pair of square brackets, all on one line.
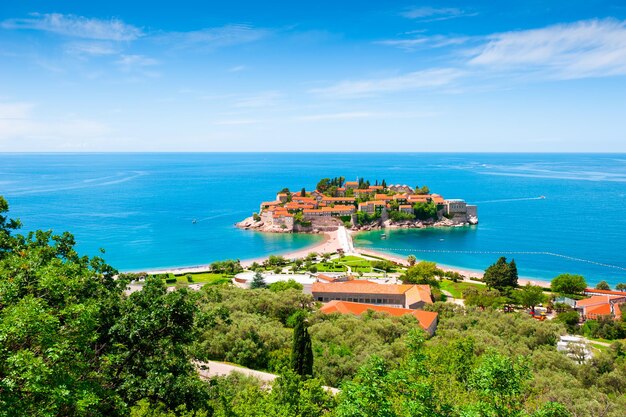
[(341, 239)]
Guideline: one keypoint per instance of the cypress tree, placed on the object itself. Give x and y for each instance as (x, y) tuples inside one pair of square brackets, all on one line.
[(258, 281), (302, 350), (512, 274)]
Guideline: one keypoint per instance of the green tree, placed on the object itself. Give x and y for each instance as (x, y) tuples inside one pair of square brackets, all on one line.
[(302, 351), (568, 284), (620, 287), (500, 383), (323, 185), (411, 259), (72, 342), (303, 192), (530, 296), (258, 281), (285, 285), (570, 319), (501, 274), (603, 285), (483, 297), (423, 272), (425, 211)]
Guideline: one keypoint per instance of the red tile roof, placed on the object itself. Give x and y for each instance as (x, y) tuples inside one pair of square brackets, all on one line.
[(362, 287), (597, 300), (425, 318), (604, 292)]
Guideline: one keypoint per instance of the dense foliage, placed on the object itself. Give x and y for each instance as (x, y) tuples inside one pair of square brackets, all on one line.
[(569, 284), (501, 275), (72, 343)]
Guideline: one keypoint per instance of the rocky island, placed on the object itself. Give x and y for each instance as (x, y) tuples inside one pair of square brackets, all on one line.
[(358, 205)]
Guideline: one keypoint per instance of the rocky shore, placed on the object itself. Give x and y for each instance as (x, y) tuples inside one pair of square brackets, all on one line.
[(317, 227)]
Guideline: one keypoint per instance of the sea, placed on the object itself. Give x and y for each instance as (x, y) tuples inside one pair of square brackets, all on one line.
[(552, 213)]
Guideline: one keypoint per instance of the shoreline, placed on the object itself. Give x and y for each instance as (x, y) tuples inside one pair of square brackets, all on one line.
[(473, 273), (331, 242)]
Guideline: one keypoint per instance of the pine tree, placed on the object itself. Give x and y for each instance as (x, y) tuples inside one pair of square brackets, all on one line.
[(512, 278), (384, 184), (302, 350), (258, 281), (498, 274), (303, 192)]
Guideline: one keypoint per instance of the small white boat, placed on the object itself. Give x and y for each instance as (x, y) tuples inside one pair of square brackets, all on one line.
[(194, 221), (383, 236)]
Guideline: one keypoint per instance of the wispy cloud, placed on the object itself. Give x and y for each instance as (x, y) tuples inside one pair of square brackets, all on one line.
[(432, 14), (237, 68), (236, 122), (18, 122), (589, 48), (15, 111), (362, 115), (435, 41), (426, 79), (264, 99), (76, 26), (130, 62), (215, 37), (91, 48)]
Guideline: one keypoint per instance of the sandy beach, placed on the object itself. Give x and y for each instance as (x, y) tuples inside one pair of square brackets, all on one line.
[(342, 239)]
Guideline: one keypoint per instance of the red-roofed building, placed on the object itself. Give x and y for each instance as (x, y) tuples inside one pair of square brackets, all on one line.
[(427, 319), (598, 306), (361, 291)]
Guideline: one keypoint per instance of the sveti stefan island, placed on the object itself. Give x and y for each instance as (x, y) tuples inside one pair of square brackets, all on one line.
[(300, 209), (359, 205)]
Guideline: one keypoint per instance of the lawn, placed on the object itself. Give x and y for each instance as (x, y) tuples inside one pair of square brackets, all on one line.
[(206, 278), (457, 288)]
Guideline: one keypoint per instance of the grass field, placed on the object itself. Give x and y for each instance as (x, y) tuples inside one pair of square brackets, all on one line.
[(457, 288), (203, 277)]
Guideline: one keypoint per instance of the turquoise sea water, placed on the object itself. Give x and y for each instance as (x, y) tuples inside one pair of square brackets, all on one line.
[(140, 207)]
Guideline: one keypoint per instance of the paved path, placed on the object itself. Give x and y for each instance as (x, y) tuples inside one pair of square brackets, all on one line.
[(345, 240), (222, 369)]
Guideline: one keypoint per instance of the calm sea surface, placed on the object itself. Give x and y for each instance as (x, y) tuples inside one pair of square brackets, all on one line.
[(140, 207)]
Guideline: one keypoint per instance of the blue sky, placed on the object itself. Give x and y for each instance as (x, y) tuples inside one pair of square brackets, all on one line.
[(508, 76)]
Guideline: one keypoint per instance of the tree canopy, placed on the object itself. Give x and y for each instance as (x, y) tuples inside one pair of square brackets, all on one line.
[(568, 284), (72, 342), (501, 274)]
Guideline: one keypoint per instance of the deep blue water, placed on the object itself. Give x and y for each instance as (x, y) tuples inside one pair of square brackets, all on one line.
[(139, 207)]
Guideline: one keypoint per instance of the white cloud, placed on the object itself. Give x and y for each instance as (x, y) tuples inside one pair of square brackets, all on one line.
[(91, 48), (76, 26), (436, 41), (215, 37), (582, 49), (419, 12), (15, 111), (426, 79), (237, 68), (18, 123), (265, 99), (236, 122), (362, 115), (433, 14), (137, 64)]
